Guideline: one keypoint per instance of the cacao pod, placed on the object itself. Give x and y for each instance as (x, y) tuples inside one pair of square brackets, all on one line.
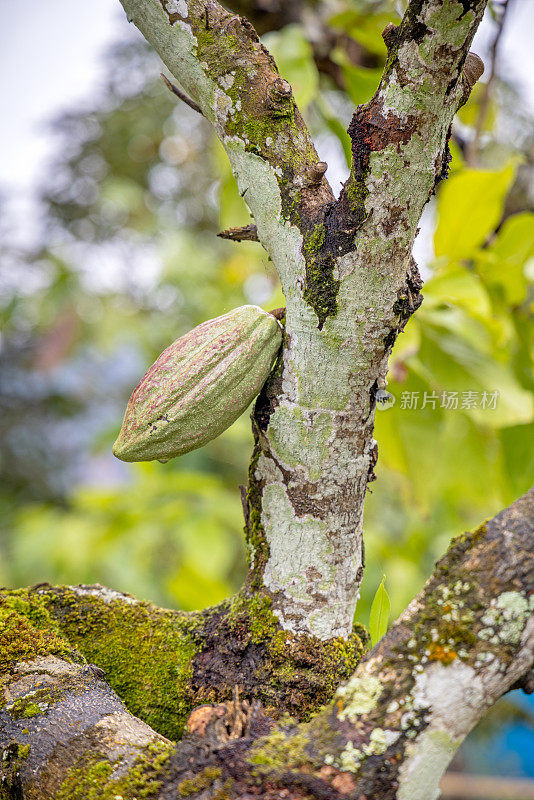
[(199, 385)]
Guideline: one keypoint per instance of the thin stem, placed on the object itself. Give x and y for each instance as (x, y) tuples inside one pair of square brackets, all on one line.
[(178, 92)]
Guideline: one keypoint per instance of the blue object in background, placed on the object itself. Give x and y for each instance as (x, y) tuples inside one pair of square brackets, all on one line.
[(503, 743)]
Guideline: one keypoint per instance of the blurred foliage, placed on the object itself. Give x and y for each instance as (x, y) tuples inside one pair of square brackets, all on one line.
[(177, 526), (127, 260)]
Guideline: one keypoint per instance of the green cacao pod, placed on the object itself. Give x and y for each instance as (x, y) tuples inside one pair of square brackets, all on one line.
[(199, 385)]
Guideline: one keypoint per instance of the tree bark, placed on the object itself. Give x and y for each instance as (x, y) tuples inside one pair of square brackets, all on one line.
[(287, 639), (346, 271), (388, 733)]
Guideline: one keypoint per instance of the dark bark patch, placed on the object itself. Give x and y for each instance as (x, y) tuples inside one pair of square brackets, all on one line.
[(371, 131), (409, 297), (267, 400), (418, 31), (441, 167), (396, 214), (468, 5), (301, 497), (242, 644), (321, 288)]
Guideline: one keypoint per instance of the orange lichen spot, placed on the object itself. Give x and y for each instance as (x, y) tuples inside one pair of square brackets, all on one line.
[(343, 783), (442, 654)]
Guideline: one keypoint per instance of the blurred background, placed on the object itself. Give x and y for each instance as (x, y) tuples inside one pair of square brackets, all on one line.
[(111, 196)]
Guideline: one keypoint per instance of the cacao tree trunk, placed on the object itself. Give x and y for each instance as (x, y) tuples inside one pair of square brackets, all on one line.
[(287, 640), (346, 270)]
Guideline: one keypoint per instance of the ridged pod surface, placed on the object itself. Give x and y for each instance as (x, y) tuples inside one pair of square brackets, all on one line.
[(199, 385)]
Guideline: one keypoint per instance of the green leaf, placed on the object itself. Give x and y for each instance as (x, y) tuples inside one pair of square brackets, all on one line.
[(518, 458), (454, 365), (503, 263), (366, 28), (378, 620), (361, 82), (455, 285), (470, 206), (515, 240)]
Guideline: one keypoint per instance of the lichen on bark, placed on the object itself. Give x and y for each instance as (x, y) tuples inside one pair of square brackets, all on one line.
[(345, 267), (287, 639), (185, 659)]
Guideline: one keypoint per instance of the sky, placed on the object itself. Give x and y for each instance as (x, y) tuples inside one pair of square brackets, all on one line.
[(51, 61)]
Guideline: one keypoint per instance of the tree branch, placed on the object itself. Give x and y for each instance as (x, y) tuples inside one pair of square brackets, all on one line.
[(314, 17), (180, 95), (63, 731), (248, 233), (346, 271), (218, 59), (164, 663), (389, 733)]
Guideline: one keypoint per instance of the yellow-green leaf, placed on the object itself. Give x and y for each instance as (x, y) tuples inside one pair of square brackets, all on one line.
[(456, 286), (469, 208), (378, 620)]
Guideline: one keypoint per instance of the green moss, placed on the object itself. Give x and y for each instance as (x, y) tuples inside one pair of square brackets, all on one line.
[(145, 652), (202, 781), (27, 630), (163, 663), (127, 640), (91, 779), (257, 609), (298, 673), (24, 751), (35, 703), (257, 545), (321, 289), (88, 781), (356, 192), (253, 115), (31, 710), (281, 749)]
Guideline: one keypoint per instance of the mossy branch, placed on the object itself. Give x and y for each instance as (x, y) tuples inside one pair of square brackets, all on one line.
[(218, 59), (163, 663), (389, 732)]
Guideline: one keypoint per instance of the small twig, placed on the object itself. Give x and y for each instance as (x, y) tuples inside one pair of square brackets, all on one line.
[(473, 146), (484, 787), (175, 90), (248, 233)]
